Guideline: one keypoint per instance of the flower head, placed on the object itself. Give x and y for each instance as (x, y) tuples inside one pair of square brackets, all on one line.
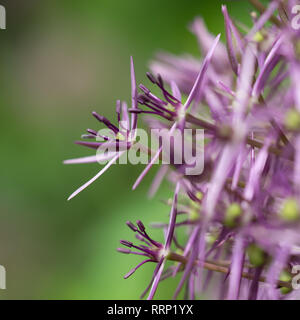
[(242, 214)]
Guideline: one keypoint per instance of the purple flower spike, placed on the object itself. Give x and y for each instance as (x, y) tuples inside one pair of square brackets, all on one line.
[(231, 48)]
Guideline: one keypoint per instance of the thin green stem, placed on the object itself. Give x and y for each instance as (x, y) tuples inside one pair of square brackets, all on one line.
[(215, 266)]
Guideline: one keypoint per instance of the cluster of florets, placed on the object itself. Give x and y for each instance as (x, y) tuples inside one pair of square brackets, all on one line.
[(242, 214)]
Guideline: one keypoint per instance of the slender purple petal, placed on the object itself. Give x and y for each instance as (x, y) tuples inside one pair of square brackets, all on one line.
[(199, 81)]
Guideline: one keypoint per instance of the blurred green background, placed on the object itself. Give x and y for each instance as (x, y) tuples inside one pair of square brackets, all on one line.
[(60, 60)]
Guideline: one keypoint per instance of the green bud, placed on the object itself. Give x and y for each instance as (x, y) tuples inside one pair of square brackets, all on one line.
[(290, 210), (199, 195), (233, 212), (211, 238), (194, 214), (292, 120), (285, 290), (286, 277), (257, 256), (258, 37)]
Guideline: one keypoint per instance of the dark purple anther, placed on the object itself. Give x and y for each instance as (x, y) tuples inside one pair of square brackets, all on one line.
[(141, 225), (126, 243), (131, 226)]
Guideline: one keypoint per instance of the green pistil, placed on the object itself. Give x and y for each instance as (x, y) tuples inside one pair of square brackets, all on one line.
[(193, 215), (286, 277), (233, 212), (199, 195), (170, 108), (211, 238), (257, 256), (290, 210), (194, 212), (258, 37), (120, 136), (292, 120)]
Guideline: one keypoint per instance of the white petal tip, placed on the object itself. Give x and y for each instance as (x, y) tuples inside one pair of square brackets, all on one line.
[(71, 197)]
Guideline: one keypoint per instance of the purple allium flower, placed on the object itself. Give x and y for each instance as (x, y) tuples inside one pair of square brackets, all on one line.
[(240, 218)]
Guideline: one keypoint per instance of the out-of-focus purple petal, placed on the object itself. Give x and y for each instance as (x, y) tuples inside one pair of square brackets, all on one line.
[(236, 268), (297, 166), (231, 50), (269, 64), (173, 215), (158, 180), (175, 90), (244, 85), (201, 75), (256, 171)]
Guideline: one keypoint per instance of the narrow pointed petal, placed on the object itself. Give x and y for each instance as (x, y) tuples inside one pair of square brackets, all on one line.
[(151, 163), (278, 263), (147, 169), (189, 266), (199, 81), (111, 162), (172, 222), (230, 46), (158, 180), (187, 248), (236, 268), (244, 85), (297, 166), (134, 104), (295, 76), (269, 64), (220, 175), (256, 171), (175, 91), (125, 117), (238, 167), (157, 278)]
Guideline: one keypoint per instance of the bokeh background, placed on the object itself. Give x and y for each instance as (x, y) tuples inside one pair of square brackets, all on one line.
[(60, 60)]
